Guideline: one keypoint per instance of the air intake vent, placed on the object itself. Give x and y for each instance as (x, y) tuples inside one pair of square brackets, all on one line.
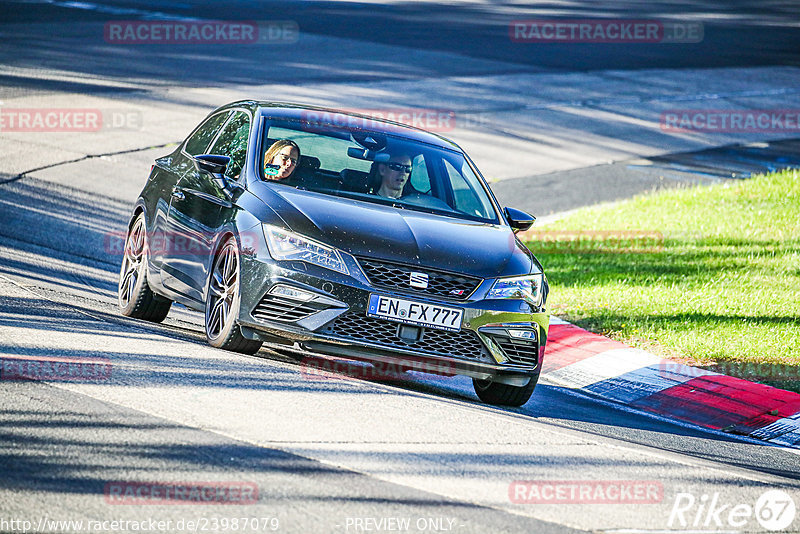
[(464, 344), (519, 351), (397, 276), (280, 308)]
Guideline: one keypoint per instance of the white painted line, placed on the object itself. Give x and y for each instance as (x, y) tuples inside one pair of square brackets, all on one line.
[(608, 364), (648, 374), (784, 431), (643, 382)]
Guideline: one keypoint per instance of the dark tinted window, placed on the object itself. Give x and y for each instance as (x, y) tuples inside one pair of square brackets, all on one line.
[(331, 151), (345, 163), (232, 142), (199, 141), (419, 175)]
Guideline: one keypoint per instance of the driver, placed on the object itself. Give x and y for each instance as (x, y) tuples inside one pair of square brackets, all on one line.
[(391, 176)]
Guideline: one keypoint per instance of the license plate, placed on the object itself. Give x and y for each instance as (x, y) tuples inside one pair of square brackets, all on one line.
[(416, 313)]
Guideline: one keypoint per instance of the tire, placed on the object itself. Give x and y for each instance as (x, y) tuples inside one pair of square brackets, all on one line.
[(504, 394), (134, 296), (222, 302)]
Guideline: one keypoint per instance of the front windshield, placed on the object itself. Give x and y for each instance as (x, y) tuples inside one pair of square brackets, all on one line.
[(375, 167)]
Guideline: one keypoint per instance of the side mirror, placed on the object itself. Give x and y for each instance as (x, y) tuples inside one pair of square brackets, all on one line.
[(211, 163), (518, 220), (215, 166)]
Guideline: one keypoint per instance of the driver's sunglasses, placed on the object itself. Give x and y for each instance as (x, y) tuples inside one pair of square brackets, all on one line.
[(399, 167)]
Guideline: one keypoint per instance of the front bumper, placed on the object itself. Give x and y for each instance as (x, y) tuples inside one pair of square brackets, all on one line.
[(502, 340)]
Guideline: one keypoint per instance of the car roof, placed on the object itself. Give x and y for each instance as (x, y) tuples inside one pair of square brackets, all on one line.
[(300, 112)]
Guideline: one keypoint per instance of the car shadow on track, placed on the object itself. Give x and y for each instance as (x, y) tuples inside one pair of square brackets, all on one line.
[(60, 237), (158, 356)]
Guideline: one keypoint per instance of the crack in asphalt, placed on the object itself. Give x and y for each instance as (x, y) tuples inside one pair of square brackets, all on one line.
[(85, 158)]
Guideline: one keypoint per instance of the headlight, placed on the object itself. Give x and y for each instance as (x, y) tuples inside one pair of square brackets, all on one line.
[(527, 287), (285, 245)]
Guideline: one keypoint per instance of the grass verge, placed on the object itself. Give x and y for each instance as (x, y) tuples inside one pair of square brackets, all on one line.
[(708, 276)]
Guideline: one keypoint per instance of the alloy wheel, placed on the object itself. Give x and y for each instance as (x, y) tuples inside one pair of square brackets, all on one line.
[(222, 291), (132, 263)]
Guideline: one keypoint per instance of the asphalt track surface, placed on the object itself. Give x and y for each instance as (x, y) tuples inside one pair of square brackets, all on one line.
[(736, 33), (323, 452)]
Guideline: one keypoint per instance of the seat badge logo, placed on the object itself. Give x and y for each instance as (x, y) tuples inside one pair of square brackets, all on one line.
[(419, 280)]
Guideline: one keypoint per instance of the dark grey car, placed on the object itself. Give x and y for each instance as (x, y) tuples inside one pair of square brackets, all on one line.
[(434, 280)]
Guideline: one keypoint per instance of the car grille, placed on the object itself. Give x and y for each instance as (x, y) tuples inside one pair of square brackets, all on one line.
[(279, 308), (520, 352), (440, 283), (464, 344)]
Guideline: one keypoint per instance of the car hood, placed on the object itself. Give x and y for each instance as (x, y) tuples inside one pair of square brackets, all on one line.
[(401, 235)]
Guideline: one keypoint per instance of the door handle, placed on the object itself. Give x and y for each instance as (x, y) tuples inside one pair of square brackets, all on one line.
[(177, 193)]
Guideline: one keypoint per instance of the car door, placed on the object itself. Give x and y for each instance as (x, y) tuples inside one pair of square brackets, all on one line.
[(197, 210), (169, 170)]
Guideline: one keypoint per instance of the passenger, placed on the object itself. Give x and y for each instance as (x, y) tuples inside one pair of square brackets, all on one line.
[(388, 178), (286, 154)]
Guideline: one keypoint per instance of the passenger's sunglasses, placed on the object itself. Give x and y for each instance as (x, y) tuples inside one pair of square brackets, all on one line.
[(398, 167)]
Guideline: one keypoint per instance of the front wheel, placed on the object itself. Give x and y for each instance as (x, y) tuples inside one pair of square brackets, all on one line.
[(504, 394), (134, 295), (222, 303)]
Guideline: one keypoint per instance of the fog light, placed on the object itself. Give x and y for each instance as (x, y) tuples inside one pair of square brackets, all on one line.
[(522, 334), (292, 293)]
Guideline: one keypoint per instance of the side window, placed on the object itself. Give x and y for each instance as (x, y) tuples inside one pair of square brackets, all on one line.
[(419, 175), (199, 141), (232, 142)]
